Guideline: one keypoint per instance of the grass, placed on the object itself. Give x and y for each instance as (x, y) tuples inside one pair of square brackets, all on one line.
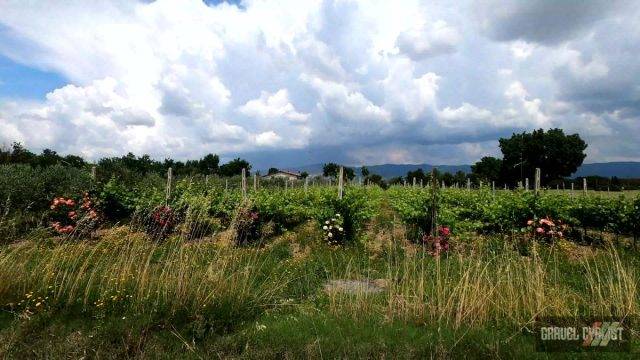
[(269, 302), (123, 296)]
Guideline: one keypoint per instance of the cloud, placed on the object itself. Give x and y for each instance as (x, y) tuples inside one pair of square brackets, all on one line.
[(429, 40), (297, 82), (542, 21), (273, 106)]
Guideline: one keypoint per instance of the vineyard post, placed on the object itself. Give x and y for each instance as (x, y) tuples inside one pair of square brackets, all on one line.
[(255, 182), (520, 185), (244, 182), (571, 188), (493, 188), (306, 184), (404, 182), (421, 184), (584, 186), (414, 182), (93, 173), (505, 186), (168, 188), (536, 183), (226, 184), (434, 203), (340, 183), (206, 179), (526, 184), (468, 184), (286, 183), (444, 186)]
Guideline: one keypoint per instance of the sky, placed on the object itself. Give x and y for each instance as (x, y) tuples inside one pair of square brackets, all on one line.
[(294, 82)]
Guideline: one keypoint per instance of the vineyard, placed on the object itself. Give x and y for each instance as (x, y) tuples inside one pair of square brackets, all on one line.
[(233, 267)]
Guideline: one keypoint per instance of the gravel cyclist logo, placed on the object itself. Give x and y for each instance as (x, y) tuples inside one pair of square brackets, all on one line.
[(566, 334)]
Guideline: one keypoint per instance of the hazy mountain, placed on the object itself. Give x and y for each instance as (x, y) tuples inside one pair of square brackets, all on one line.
[(628, 169)]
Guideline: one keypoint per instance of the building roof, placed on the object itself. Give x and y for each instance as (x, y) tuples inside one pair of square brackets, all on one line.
[(284, 172)]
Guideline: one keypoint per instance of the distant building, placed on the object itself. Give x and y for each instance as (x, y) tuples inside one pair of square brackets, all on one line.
[(283, 174)]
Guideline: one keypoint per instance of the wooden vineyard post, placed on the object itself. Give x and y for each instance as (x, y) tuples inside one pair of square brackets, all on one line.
[(226, 184), (536, 182), (584, 186), (493, 188), (405, 182), (244, 183), (444, 186), (93, 173), (414, 182), (340, 183), (468, 184), (526, 184), (168, 188), (255, 182), (306, 184), (206, 179), (434, 204), (421, 184), (505, 186), (572, 188)]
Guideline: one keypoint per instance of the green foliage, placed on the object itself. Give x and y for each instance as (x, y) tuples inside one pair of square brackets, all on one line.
[(26, 188), (487, 169), (117, 201), (332, 170), (557, 154), (234, 167)]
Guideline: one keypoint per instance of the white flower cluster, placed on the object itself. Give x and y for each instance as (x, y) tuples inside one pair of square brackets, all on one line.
[(333, 229)]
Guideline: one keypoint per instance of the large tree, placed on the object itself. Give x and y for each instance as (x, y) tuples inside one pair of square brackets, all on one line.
[(234, 167), (556, 154), (332, 170), (487, 169)]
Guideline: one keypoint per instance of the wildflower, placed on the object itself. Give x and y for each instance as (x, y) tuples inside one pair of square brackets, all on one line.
[(324, 227), (530, 222), (539, 230)]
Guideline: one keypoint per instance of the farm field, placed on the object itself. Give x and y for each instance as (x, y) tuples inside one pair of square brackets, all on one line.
[(198, 270)]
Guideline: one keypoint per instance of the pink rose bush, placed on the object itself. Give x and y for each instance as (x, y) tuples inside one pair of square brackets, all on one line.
[(546, 228), (438, 244), (70, 216)]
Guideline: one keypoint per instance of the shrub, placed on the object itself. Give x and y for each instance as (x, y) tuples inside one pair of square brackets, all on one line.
[(161, 222), (334, 230), (438, 243), (246, 224), (69, 216)]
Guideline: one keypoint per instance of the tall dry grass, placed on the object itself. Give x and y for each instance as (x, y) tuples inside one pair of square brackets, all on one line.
[(485, 287), (125, 270)]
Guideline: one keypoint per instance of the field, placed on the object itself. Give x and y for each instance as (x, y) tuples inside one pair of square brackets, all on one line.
[(201, 271)]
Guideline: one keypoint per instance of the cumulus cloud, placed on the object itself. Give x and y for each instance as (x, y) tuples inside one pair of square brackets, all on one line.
[(273, 106), (429, 40), (297, 82)]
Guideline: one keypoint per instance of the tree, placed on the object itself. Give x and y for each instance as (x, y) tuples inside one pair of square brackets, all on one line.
[(556, 154), (332, 170), (304, 174), (209, 164), (418, 175), (272, 171), (364, 171), (376, 179), (487, 169), (234, 167)]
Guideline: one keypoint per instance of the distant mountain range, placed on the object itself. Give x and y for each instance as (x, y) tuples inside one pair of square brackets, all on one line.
[(628, 169)]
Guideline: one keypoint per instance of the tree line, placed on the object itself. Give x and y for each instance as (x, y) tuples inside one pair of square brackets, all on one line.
[(128, 164)]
